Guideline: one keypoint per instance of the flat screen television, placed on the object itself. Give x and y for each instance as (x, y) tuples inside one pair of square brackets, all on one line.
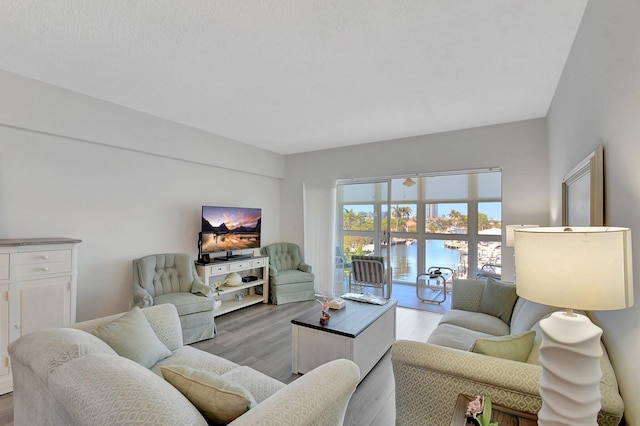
[(225, 229)]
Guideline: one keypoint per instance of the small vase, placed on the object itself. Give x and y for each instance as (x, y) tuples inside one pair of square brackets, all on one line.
[(324, 318), (472, 421)]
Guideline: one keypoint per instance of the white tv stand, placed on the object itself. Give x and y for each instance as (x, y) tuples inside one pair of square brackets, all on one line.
[(217, 271)]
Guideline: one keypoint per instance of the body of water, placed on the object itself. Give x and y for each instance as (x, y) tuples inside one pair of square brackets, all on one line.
[(404, 259)]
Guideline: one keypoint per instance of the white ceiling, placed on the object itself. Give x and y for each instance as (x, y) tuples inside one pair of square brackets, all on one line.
[(293, 76)]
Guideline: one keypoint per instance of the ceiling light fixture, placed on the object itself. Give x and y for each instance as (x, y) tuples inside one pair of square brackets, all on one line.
[(409, 182)]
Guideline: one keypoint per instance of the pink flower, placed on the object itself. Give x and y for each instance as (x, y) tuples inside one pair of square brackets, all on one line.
[(475, 407)]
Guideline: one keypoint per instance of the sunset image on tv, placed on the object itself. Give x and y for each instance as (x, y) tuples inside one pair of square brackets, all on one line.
[(230, 228)]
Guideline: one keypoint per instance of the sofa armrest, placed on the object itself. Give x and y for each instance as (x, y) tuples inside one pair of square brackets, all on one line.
[(304, 267), (466, 294), (441, 373), (320, 397)]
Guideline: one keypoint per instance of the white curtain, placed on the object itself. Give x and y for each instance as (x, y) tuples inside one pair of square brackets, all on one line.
[(319, 236)]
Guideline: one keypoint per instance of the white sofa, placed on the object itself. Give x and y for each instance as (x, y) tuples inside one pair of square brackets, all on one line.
[(430, 375), (68, 376)]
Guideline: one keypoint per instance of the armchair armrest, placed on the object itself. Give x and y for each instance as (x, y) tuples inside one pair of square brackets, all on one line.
[(273, 271), (442, 373), (304, 267), (320, 397), (141, 297)]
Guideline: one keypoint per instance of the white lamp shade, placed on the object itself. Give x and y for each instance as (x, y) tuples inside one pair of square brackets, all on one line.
[(587, 268), (511, 230)]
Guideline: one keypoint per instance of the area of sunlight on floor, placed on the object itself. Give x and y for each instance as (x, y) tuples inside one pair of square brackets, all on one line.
[(412, 324)]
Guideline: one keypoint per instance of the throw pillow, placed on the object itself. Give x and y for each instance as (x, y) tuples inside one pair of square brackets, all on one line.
[(200, 288), (131, 336), (498, 299), (513, 347), (219, 399)]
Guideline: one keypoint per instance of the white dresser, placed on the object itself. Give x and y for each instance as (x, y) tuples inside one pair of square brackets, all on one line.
[(37, 288)]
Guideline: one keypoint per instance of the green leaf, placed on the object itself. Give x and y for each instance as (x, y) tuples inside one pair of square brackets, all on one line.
[(485, 417)]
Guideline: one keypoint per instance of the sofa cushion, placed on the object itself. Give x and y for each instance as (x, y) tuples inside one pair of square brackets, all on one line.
[(186, 303), (196, 358), (466, 294), (455, 337), (498, 299), (258, 384), (131, 336), (289, 276), (527, 313), (102, 389), (218, 398), (476, 321), (515, 347)]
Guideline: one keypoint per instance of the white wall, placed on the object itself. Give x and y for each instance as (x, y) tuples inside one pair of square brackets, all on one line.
[(123, 203), (519, 149), (598, 102)]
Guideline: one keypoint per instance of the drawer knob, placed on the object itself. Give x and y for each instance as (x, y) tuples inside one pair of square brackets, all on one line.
[(45, 269), (45, 256)]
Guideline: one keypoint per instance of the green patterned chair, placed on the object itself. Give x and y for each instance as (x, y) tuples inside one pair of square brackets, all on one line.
[(429, 376)]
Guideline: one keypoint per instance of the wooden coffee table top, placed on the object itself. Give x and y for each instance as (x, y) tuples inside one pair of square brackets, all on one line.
[(349, 321)]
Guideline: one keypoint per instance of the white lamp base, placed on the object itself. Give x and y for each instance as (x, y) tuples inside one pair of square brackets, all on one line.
[(570, 355)]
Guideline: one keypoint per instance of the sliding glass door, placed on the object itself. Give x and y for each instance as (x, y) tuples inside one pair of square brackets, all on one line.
[(451, 220), (362, 225)]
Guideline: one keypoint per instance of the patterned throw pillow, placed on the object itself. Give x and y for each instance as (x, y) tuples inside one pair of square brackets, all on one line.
[(513, 347), (131, 336), (219, 399)]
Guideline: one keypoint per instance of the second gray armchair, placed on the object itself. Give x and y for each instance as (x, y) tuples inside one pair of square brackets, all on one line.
[(290, 278)]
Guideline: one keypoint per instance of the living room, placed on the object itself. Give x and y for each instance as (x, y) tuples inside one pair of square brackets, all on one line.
[(129, 184)]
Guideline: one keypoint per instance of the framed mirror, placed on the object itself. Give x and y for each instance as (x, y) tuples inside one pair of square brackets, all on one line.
[(583, 192)]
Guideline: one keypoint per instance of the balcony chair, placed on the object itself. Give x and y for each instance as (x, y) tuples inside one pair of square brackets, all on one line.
[(369, 271), (172, 278), (290, 279)]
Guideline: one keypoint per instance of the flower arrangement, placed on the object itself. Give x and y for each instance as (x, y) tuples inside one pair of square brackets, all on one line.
[(217, 287), (479, 411), (325, 316)]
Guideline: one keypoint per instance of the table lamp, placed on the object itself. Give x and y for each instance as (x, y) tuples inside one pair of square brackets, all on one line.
[(583, 268), (510, 241)]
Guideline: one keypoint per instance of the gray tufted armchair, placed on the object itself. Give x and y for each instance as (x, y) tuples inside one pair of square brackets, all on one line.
[(172, 278), (290, 279)]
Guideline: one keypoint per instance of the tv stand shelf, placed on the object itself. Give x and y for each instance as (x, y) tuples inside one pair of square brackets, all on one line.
[(212, 272)]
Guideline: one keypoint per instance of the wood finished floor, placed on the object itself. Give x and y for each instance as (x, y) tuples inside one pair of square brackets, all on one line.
[(260, 337)]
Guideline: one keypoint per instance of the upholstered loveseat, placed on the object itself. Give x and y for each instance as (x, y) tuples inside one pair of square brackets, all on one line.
[(71, 376), (483, 346)]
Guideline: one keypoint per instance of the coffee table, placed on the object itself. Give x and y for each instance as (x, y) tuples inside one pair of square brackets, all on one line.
[(361, 332)]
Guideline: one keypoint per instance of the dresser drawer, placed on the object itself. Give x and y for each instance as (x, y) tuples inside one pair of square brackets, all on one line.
[(38, 263), (4, 266), (259, 263), (30, 257), (217, 269), (240, 266)]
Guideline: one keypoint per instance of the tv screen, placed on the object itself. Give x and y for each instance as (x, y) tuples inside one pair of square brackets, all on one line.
[(225, 229)]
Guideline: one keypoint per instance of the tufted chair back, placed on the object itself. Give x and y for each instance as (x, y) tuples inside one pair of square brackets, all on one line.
[(161, 274), (284, 256)]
